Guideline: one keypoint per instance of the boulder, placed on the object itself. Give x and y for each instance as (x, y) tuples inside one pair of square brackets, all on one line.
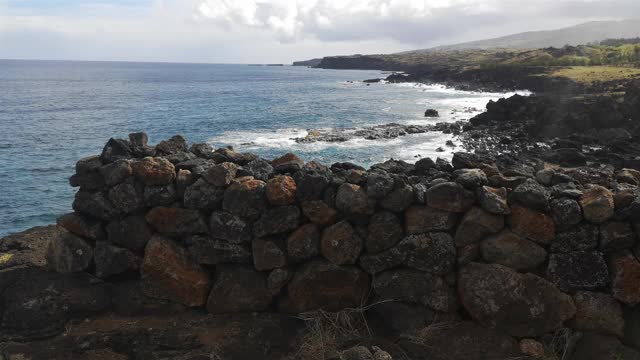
[(169, 273), (578, 270), (281, 190), (126, 198), (268, 254), (88, 164), (379, 184), (592, 346), (509, 249), (277, 220), (229, 227), (116, 172), (239, 289), (95, 205), (311, 186), (160, 195), (278, 278), (615, 236), (322, 285), (460, 341), (385, 231), (566, 213), (88, 181), (415, 286), (580, 238), (176, 221), (476, 225), (434, 253), (352, 199), (471, 178), (598, 312), (431, 113), (203, 196), (174, 145), (81, 226), (207, 251), (385, 260), (154, 171), (132, 232), (493, 200), (399, 199), (68, 253), (423, 219), (184, 178), (450, 196), (260, 169), (535, 226), (318, 212), (204, 151), (39, 304), (532, 195), (111, 260), (597, 204), (116, 149), (304, 243), (340, 244), (288, 163), (245, 199), (221, 174), (520, 304), (625, 278)]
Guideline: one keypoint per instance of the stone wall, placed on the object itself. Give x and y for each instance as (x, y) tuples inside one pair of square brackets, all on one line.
[(522, 248)]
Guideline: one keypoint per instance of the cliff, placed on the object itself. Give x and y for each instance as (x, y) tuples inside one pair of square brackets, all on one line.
[(185, 252), (309, 63)]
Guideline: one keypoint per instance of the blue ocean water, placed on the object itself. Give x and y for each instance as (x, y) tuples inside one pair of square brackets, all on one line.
[(53, 113)]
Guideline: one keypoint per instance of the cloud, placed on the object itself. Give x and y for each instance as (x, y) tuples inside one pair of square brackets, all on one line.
[(405, 21)]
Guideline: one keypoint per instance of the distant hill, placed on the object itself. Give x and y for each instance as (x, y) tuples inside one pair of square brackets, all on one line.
[(590, 32), (312, 62)]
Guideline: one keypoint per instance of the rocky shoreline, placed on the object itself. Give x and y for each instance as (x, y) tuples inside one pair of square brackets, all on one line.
[(186, 252)]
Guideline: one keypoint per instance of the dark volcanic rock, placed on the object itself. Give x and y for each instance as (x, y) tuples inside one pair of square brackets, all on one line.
[(399, 199), (154, 171), (319, 212), (116, 172), (39, 304), (132, 232), (68, 253), (229, 227), (176, 144), (81, 226), (385, 231), (415, 287), (434, 253), (260, 169), (321, 285), (304, 243), (95, 205), (431, 113), (340, 244), (160, 195), (533, 225), (476, 225), (615, 236), (579, 238), (239, 289), (531, 194), (509, 249), (566, 213), (204, 196), (277, 220), (493, 200), (352, 199), (221, 174), (126, 198), (423, 219), (502, 298), (245, 199), (288, 163), (597, 204), (176, 221), (450, 196), (311, 186), (268, 254), (625, 275), (207, 251), (116, 149), (111, 260), (379, 184), (578, 271), (599, 313)]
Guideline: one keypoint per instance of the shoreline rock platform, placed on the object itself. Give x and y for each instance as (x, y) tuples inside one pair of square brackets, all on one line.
[(179, 251)]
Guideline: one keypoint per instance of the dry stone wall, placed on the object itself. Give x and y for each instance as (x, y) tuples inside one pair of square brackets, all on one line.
[(522, 248)]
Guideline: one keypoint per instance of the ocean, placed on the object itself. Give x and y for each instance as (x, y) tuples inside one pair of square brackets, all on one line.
[(53, 113)]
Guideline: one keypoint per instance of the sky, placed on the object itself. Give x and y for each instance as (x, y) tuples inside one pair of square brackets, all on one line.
[(272, 31)]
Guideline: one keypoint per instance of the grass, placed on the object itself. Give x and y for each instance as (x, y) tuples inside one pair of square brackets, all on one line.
[(591, 74)]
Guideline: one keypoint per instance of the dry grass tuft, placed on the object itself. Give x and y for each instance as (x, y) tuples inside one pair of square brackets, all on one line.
[(327, 330)]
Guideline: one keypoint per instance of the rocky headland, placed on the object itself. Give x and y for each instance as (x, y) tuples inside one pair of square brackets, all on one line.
[(186, 252)]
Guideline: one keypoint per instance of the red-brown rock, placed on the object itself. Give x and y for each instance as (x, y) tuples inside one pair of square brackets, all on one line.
[(168, 273), (281, 190), (625, 273), (533, 225), (319, 212), (154, 171)]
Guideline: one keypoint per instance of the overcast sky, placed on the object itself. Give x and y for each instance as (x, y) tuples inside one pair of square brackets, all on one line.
[(273, 31)]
